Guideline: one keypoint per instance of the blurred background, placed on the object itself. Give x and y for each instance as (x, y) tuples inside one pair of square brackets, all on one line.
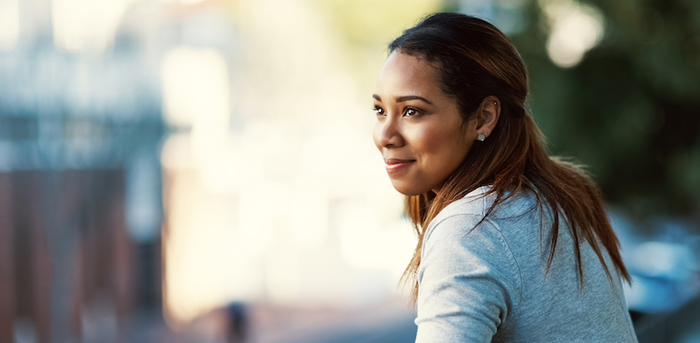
[(203, 170)]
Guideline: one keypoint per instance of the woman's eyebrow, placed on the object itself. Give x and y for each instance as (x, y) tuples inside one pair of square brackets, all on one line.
[(404, 98), (412, 97)]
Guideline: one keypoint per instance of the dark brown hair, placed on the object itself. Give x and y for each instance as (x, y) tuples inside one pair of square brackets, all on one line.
[(474, 60)]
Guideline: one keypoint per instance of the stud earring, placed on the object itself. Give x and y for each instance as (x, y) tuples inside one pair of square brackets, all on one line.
[(481, 137)]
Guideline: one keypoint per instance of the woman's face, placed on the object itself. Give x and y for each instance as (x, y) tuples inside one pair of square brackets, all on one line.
[(419, 130)]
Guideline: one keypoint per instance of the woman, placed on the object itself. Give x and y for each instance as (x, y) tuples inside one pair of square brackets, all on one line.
[(514, 246)]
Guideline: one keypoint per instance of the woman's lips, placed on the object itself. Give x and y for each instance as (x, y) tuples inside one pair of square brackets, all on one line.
[(394, 165)]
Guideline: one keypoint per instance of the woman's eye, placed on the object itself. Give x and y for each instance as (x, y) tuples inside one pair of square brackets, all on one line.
[(409, 112), (378, 110)]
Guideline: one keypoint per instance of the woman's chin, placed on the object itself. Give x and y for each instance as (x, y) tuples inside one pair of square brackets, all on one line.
[(408, 189)]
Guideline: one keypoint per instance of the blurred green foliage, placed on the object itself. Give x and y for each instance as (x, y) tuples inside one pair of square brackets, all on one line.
[(630, 110)]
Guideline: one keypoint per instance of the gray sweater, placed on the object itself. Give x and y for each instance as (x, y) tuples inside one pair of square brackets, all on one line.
[(490, 285)]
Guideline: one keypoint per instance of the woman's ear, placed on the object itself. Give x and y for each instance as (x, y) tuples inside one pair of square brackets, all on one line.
[(487, 117)]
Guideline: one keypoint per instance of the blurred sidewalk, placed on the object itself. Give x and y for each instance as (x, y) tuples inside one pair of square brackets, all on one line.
[(390, 322)]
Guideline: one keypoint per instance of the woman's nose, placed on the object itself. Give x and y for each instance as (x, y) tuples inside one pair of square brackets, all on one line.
[(387, 134)]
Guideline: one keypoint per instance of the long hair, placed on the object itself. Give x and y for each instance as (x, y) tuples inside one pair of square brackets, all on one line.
[(473, 60)]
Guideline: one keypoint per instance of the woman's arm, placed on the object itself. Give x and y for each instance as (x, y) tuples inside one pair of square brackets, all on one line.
[(469, 282)]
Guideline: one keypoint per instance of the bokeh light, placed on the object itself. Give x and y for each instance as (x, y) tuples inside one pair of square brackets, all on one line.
[(574, 28)]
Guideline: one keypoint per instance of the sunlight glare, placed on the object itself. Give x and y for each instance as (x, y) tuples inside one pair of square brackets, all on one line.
[(85, 25), (9, 24)]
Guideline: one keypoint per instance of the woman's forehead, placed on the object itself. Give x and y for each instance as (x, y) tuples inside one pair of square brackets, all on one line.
[(404, 74)]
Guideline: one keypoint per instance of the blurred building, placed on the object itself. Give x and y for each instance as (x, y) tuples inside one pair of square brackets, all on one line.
[(182, 156), (80, 183)]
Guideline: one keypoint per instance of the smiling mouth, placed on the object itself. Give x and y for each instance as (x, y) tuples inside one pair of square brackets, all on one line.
[(396, 165)]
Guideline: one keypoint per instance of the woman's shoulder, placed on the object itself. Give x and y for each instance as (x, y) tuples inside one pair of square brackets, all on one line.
[(476, 202), (479, 202), (464, 213), (473, 212)]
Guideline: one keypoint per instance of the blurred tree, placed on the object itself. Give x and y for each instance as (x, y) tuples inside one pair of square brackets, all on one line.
[(630, 110)]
